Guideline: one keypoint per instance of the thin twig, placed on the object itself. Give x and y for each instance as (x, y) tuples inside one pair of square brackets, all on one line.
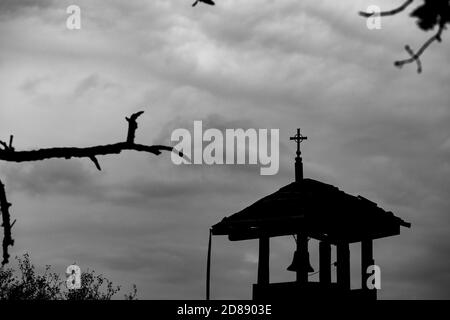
[(388, 13), (416, 56)]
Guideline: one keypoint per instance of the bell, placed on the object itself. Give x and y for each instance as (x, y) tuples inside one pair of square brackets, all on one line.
[(300, 262)]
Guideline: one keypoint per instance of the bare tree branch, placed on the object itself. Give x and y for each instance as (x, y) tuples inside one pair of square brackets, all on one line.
[(6, 224), (132, 126), (8, 153), (416, 56), (430, 14), (8, 147), (388, 13), (11, 138), (95, 161), (11, 155), (89, 152)]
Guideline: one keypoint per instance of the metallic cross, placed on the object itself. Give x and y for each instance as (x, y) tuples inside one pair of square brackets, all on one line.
[(298, 138)]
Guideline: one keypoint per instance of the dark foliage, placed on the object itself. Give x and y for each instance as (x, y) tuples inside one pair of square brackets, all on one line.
[(432, 13), (29, 285)]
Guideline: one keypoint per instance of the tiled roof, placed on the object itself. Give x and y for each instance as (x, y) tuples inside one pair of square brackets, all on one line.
[(319, 209)]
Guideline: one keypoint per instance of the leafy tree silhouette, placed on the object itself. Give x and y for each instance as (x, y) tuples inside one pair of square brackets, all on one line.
[(29, 285), (432, 14)]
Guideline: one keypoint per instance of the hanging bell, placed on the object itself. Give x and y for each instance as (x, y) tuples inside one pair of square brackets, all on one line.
[(300, 262)]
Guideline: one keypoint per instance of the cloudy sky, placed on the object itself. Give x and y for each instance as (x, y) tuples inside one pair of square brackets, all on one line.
[(373, 130)]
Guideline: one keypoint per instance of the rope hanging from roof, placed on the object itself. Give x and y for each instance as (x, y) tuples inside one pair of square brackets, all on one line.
[(208, 267)]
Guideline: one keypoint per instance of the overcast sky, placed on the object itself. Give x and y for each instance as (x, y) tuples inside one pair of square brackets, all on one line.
[(373, 130)]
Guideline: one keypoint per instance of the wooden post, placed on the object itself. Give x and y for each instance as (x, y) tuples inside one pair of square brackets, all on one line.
[(325, 262), (343, 265), (302, 250), (366, 260), (263, 262), (208, 267)]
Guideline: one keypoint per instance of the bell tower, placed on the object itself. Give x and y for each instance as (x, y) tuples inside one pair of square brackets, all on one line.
[(300, 263), (311, 209)]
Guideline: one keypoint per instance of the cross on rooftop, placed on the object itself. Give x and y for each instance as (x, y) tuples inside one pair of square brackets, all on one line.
[(298, 138)]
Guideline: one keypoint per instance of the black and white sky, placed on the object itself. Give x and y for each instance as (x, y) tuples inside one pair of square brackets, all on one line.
[(373, 130)]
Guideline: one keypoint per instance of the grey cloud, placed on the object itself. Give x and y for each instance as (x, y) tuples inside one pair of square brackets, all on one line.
[(374, 130), (217, 121), (30, 86), (90, 82), (222, 123), (426, 273), (71, 177), (52, 176), (13, 6)]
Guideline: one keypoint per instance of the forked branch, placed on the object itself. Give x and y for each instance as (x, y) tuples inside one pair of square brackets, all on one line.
[(415, 56), (430, 14), (8, 153)]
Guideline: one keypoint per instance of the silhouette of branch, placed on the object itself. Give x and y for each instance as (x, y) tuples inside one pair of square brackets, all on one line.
[(416, 56), (427, 20), (6, 224), (388, 13), (132, 126), (89, 152), (8, 153), (8, 147)]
